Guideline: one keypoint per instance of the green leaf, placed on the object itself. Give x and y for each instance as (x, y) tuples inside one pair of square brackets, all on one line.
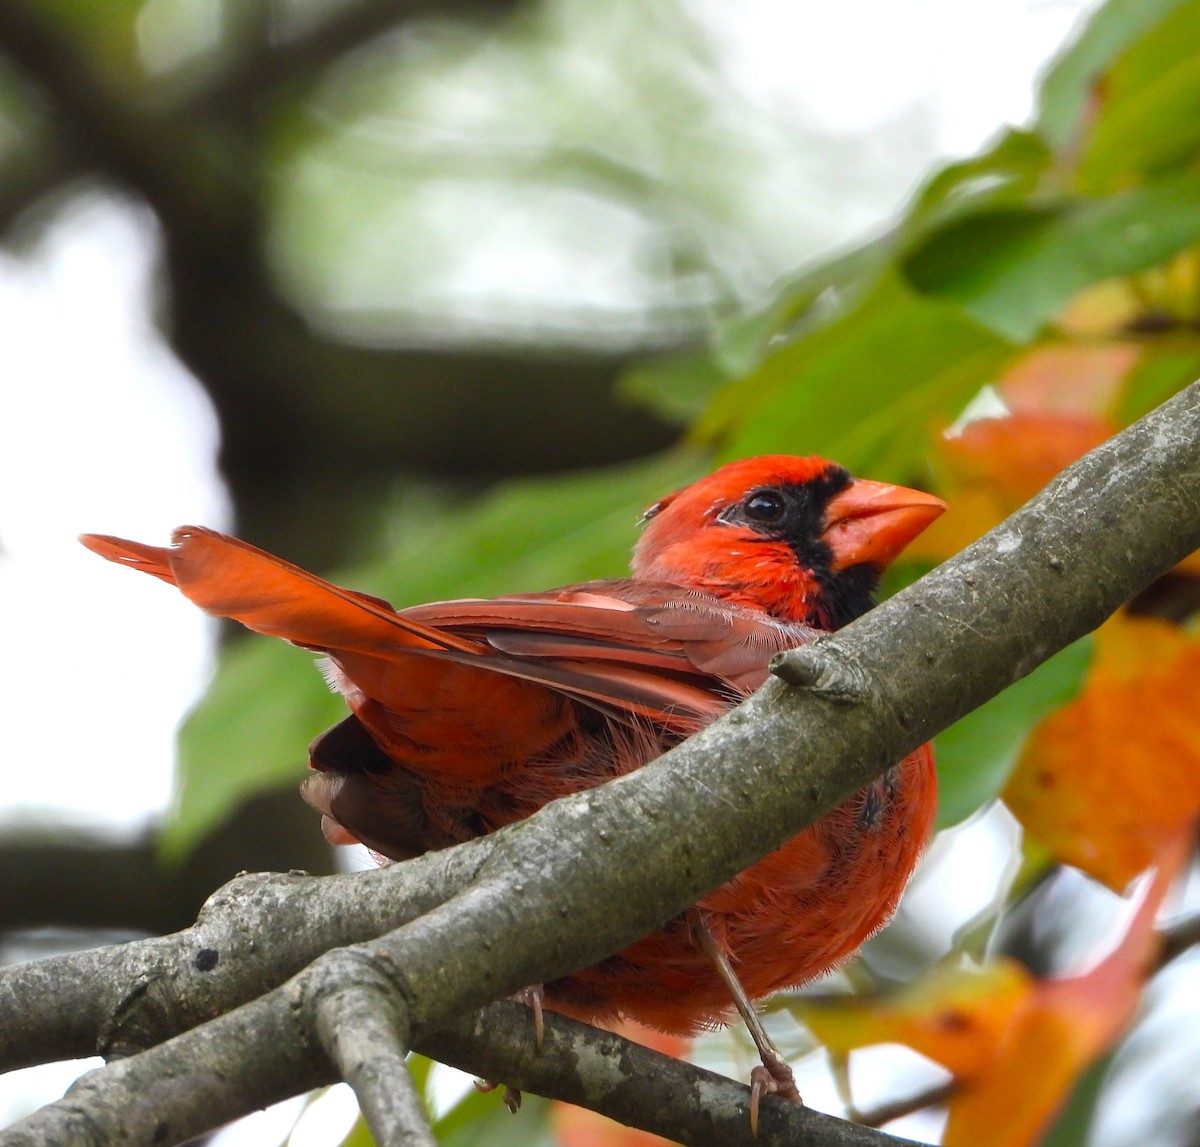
[(676, 387), (680, 387), (976, 755), (1014, 269), (420, 1067), (803, 302), (1073, 1126), (862, 388), (1007, 174), (359, 1135), (481, 1117), (529, 535), (1069, 87), (1167, 44), (1149, 118), (1165, 367), (251, 731)]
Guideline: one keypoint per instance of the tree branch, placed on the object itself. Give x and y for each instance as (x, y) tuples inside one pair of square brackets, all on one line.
[(270, 64), (86, 880), (632, 1084), (555, 893)]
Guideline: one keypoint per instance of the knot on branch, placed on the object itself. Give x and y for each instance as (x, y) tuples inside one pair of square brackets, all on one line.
[(824, 668), (248, 890), (141, 1018), (344, 987)]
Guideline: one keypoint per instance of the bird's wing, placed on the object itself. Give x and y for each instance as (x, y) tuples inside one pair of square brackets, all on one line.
[(636, 635), (483, 675)]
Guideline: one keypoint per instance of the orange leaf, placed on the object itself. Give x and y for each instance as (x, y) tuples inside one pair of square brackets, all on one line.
[(1105, 780), (972, 511), (1015, 1045), (1058, 397), (955, 1015), (1068, 1024), (1020, 453), (1069, 378), (996, 465), (579, 1127)]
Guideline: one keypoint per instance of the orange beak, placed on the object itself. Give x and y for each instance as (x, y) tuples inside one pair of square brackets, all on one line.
[(871, 522)]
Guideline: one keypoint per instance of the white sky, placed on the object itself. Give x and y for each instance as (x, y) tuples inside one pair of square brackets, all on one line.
[(104, 431), (969, 64)]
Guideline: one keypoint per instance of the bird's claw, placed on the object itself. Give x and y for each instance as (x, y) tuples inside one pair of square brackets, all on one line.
[(511, 1096), (771, 1079), (532, 996)]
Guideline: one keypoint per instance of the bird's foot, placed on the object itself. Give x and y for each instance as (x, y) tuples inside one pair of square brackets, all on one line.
[(771, 1078), (532, 996)]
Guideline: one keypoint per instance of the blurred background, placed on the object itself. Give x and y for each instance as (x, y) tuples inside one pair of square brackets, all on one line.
[(434, 298)]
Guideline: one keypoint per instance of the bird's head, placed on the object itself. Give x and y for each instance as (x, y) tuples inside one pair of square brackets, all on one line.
[(797, 537)]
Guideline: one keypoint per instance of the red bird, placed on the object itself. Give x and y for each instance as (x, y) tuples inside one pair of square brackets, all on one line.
[(469, 715)]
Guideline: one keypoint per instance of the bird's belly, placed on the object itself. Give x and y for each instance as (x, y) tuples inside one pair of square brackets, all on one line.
[(794, 915)]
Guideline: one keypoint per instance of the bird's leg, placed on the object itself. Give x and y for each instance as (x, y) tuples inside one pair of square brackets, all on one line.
[(773, 1076)]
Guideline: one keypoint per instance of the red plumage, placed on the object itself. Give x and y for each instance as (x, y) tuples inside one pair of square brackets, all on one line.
[(469, 715)]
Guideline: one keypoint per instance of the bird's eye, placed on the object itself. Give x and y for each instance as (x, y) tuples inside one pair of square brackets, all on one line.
[(766, 506)]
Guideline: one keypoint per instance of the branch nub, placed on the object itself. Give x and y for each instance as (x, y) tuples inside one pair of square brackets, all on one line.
[(823, 668)]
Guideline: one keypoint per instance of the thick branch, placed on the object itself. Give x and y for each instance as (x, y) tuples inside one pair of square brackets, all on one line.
[(592, 872), (251, 935)]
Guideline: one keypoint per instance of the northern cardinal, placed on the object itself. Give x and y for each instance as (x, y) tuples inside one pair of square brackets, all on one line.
[(469, 715)]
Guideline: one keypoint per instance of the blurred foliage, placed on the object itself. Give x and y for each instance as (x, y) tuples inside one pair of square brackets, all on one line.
[(1015, 1044), (598, 150), (1027, 303)]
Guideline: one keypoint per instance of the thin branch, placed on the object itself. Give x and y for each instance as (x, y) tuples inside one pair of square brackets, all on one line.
[(933, 1096), (551, 894), (631, 1083), (1178, 937), (360, 1026)]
